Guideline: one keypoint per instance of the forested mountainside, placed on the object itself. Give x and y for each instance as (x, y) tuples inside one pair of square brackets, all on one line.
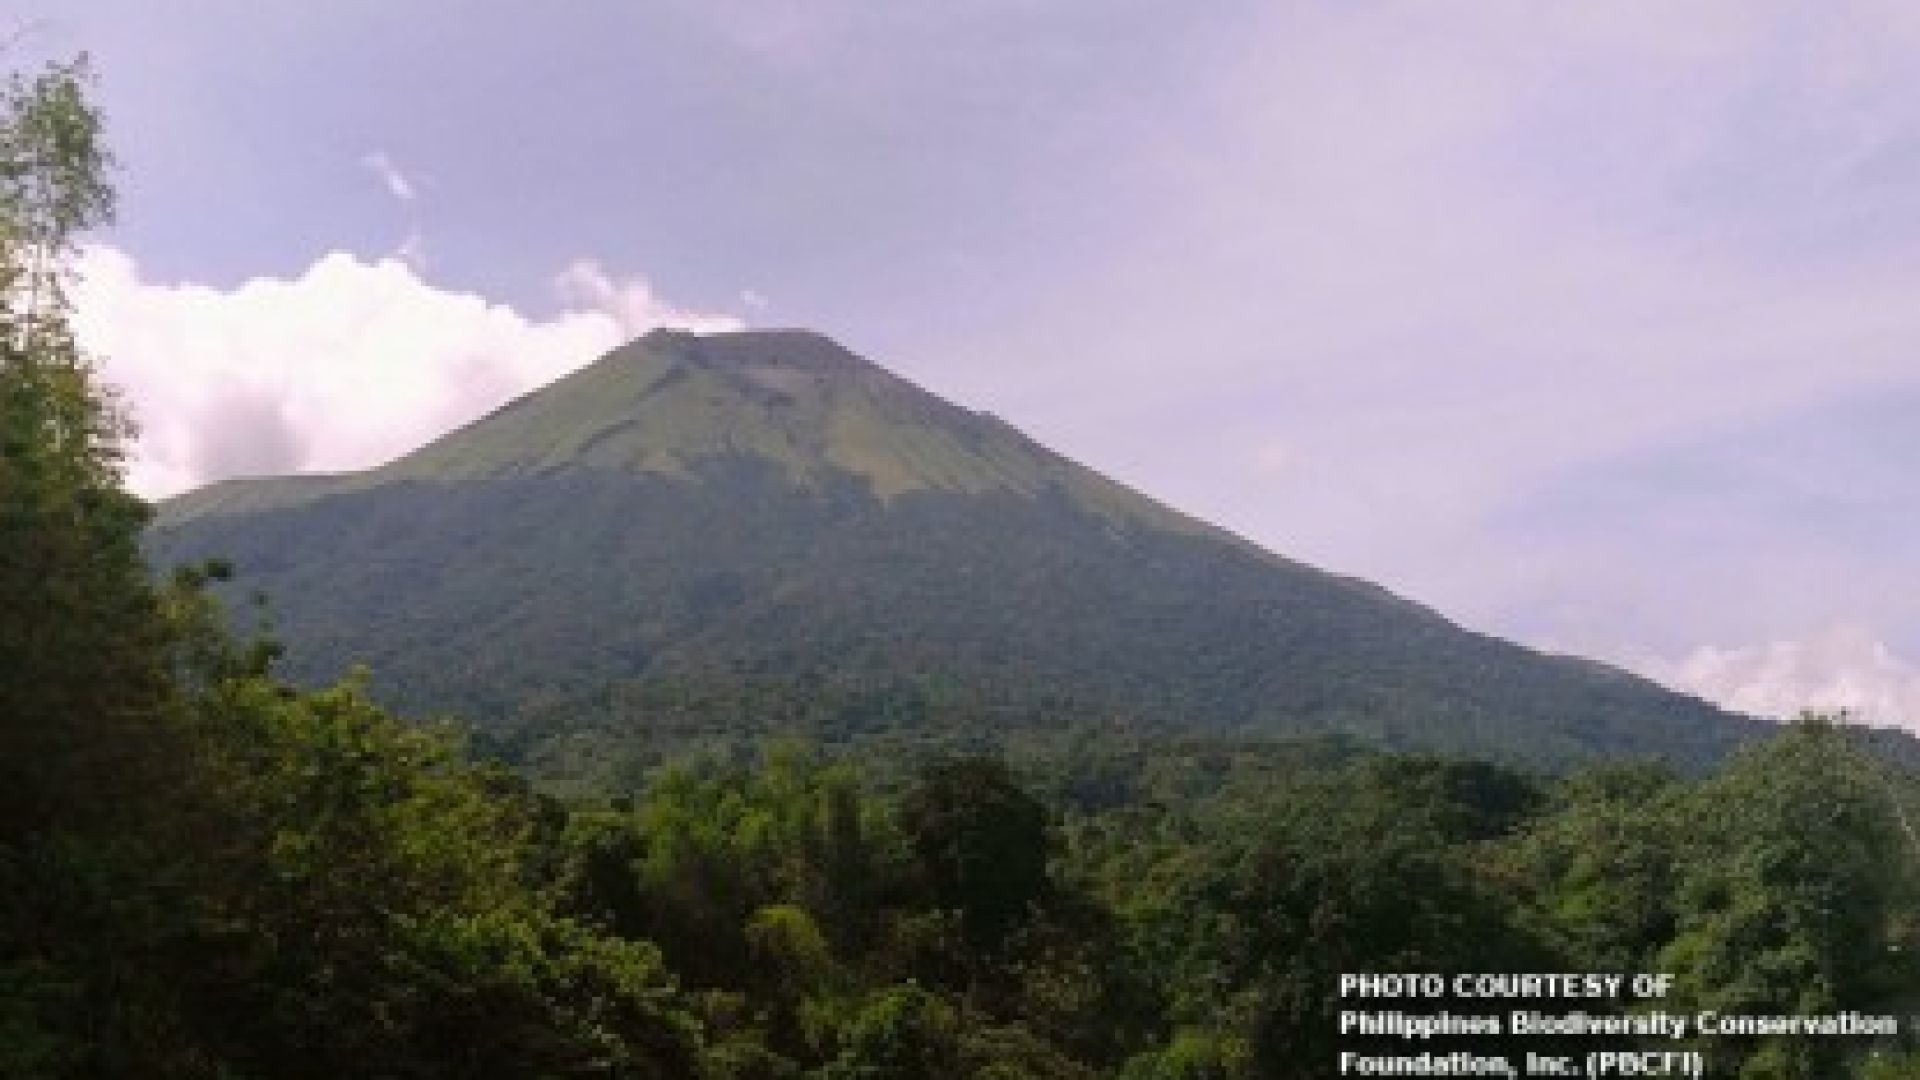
[(769, 507)]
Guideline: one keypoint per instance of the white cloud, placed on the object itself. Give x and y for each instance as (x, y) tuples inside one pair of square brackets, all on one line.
[(349, 364), (630, 301), (1844, 667), (398, 184), (412, 250), (403, 187)]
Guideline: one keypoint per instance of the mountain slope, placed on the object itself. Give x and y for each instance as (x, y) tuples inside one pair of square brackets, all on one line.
[(769, 506)]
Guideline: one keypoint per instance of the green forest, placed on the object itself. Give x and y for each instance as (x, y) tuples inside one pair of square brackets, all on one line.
[(206, 871)]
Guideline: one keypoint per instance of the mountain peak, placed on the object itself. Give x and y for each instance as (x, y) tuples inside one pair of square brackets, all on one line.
[(759, 362), (788, 347), (672, 402)]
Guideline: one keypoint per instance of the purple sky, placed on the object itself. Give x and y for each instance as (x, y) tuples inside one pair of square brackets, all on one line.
[(1593, 325)]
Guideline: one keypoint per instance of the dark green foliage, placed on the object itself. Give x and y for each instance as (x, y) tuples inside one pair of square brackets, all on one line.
[(1785, 893), (980, 845), (904, 1033), (1605, 865), (1203, 935), (1369, 869), (79, 683), (375, 911)]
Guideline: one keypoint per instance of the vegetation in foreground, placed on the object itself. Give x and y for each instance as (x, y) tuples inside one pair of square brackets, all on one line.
[(207, 873)]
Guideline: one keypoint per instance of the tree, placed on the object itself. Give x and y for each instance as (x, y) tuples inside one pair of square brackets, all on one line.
[(981, 843), (1371, 869), (1602, 867), (81, 647), (88, 757), (904, 1033), (1787, 896)]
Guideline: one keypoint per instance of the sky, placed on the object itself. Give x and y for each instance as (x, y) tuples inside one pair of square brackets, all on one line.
[(1592, 325)]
